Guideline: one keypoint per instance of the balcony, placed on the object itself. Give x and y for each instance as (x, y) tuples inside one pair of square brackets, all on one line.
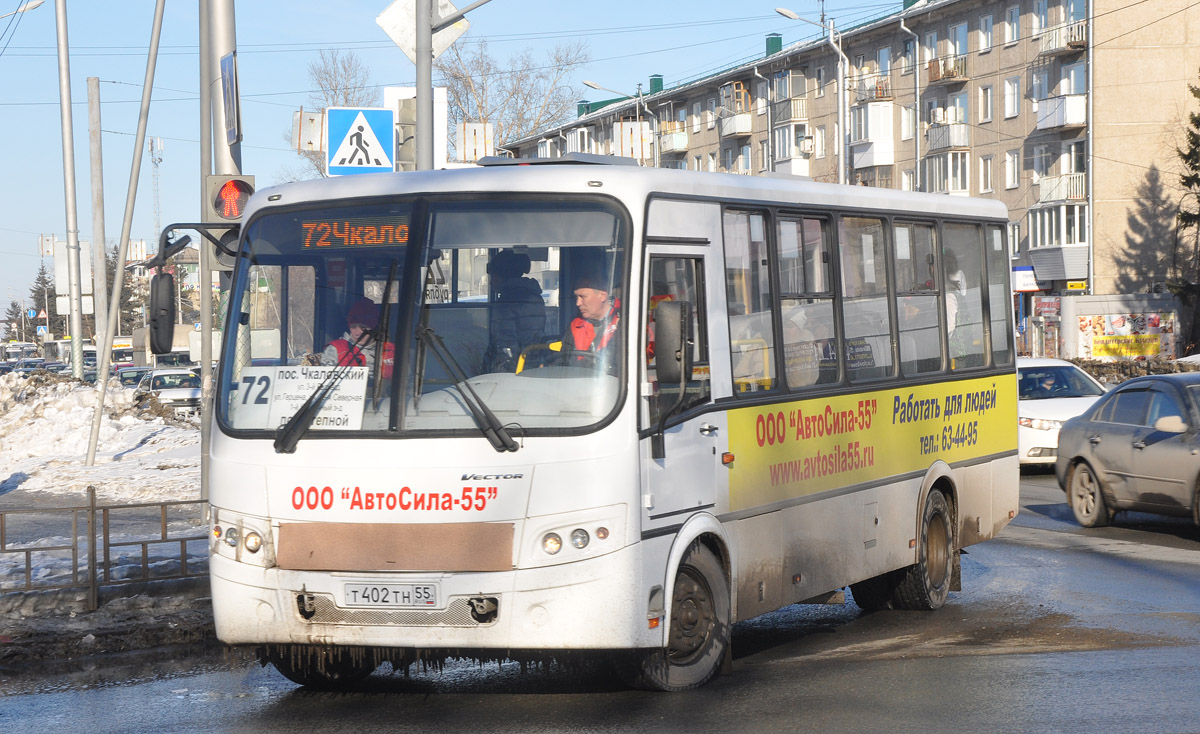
[(673, 137), (950, 70), (1068, 110), (873, 88), (1064, 39), (736, 125), (943, 136), (1069, 187), (790, 110)]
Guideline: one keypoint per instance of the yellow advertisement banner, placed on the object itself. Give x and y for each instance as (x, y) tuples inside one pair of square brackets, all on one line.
[(803, 447), (1133, 345)]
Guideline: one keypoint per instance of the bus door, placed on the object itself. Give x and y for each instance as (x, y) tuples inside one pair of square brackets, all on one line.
[(686, 474)]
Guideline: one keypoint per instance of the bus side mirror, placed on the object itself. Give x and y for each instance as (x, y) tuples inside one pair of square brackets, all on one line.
[(673, 342), (162, 313)]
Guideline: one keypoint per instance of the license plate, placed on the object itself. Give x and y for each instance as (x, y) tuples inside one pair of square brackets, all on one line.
[(391, 595)]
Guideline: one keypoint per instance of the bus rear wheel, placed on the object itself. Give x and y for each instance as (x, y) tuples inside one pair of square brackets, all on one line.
[(321, 668), (697, 632), (925, 585)]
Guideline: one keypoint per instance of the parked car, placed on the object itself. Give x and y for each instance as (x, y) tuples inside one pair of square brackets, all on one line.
[(30, 364), (131, 376), (1136, 449), (173, 388), (1049, 391)]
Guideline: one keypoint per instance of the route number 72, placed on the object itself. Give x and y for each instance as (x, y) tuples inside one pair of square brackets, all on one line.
[(264, 381)]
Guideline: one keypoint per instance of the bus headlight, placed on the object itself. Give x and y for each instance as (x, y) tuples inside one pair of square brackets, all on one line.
[(231, 537), (580, 538), (551, 543), (252, 542)]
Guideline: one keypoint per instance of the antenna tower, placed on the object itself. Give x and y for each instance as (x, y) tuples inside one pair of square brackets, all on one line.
[(155, 146)]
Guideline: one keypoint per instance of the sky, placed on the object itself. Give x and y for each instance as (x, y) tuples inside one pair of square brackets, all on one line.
[(277, 40)]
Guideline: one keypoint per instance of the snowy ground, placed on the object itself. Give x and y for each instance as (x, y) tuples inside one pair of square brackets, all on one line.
[(45, 426), (142, 457)]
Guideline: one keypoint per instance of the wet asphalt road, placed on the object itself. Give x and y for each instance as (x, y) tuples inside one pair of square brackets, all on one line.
[(1057, 629)]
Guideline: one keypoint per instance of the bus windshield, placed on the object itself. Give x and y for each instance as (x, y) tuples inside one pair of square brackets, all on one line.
[(389, 316)]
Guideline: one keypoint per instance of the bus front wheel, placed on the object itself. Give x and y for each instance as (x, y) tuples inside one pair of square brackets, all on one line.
[(697, 632), (925, 585)]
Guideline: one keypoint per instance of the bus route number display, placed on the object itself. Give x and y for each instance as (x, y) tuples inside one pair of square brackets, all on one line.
[(267, 397), (355, 232)]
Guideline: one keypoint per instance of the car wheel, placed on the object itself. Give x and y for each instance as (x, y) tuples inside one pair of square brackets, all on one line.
[(1087, 501)]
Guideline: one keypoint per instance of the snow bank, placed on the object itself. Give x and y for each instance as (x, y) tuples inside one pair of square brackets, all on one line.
[(45, 426)]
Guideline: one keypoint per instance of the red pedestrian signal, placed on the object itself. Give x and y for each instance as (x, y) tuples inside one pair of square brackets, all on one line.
[(228, 196)]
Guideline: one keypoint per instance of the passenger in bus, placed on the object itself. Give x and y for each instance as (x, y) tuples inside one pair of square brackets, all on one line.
[(357, 346), (801, 352), (517, 315), (599, 313)]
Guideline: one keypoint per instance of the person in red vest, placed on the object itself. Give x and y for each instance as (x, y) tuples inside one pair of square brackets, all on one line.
[(595, 329), (358, 347)]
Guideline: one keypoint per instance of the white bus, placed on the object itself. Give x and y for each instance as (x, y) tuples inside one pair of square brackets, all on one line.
[(803, 387)]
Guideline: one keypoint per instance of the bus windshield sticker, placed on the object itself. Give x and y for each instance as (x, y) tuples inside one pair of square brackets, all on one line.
[(267, 397)]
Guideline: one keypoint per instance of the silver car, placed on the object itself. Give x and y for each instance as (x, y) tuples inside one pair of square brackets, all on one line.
[(178, 390), (1137, 448)]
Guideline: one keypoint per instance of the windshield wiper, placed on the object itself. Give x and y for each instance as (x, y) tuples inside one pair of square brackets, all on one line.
[(290, 434), (493, 430)]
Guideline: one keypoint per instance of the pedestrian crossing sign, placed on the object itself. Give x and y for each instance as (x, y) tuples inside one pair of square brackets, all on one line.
[(359, 140)]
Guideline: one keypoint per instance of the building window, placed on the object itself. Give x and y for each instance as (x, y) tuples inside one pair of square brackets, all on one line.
[(985, 103), (858, 124), (907, 180), (985, 174), (1041, 162), (908, 123), (959, 172), (930, 50), (696, 117), (710, 114), (791, 141), (698, 163), (1040, 18), (1038, 83), (883, 61), (957, 39), (1012, 24), (985, 33), (1074, 78), (764, 155), (712, 162), (1012, 169), (906, 55), (932, 112), (1012, 96), (819, 142), (1014, 240), (956, 109), (729, 164), (820, 81), (1074, 157), (781, 80)]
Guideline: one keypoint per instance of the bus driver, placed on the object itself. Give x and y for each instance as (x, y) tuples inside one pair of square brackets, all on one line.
[(357, 346)]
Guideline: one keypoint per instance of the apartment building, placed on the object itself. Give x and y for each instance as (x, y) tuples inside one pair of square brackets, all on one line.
[(1068, 111)]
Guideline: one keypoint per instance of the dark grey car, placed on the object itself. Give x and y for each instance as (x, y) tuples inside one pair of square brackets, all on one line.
[(1137, 448)]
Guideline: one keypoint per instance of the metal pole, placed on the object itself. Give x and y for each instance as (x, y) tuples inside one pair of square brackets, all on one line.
[(68, 145), (206, 324), (227, 159), (424, 30), (139, 145), (916, 71), (99, 263), (842, 135)]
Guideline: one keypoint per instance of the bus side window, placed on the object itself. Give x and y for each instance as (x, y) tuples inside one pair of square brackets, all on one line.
[(678, 278), (917, 292), (868, 345), (962, 263), (751, 314), (806, 297)]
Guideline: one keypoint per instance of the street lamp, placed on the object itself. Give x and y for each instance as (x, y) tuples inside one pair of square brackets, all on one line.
[(834, 40), (27, 6), (641, 105)]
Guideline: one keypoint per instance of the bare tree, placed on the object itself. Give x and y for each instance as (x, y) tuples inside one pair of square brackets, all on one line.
[(339, 79), (519, 96)]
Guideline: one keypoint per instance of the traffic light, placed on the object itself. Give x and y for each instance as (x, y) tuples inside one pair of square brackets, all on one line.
[(406, 135), (226, 197)]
